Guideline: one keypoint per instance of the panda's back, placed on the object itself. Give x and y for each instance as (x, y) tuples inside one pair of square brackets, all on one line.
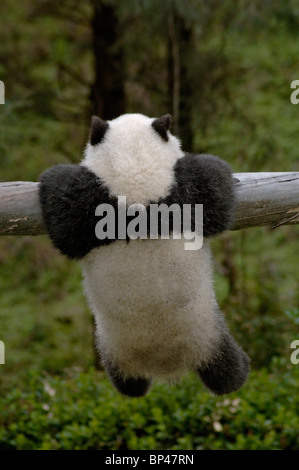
[(152, 302)]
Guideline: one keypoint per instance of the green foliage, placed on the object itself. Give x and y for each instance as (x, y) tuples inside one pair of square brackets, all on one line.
[(84, 412), (293, 314), (256, 281), (44, 319)]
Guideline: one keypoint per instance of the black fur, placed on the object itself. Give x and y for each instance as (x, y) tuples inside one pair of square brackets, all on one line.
[(205, 179), (69, 195), (97, 130), (129, 386), (162, 125), (227, 371)]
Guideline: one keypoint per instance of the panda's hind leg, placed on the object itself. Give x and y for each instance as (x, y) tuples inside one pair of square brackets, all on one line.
[(227, 369), (129, 386)]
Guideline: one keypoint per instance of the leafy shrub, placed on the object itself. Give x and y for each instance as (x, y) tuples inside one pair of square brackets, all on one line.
[(84, 412)]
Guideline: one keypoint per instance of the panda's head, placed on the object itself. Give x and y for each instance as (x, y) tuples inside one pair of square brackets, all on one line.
[(134, 155)]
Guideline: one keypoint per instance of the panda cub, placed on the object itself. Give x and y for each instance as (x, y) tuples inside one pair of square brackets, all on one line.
[(153, 301)]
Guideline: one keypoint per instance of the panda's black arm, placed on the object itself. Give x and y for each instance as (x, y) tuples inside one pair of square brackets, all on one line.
[(206, 179), (69, 195)]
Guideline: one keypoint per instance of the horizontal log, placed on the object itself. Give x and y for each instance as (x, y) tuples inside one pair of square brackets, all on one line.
[(20, 211), (262, 199), (266, 199)]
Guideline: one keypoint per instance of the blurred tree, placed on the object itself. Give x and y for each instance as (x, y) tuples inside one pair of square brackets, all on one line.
[(108, 89), (180, 84)]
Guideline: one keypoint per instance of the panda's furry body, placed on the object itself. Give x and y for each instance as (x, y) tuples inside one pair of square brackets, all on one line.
[(153, 301)]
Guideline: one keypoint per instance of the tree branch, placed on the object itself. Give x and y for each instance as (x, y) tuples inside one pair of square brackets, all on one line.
[(262, 199), (266, 199), (20, 212)]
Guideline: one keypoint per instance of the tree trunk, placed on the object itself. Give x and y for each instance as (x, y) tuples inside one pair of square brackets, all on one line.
[(180, 87), (107, 94)]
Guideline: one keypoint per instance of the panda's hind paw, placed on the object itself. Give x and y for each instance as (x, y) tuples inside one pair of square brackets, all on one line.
[(228, 371)]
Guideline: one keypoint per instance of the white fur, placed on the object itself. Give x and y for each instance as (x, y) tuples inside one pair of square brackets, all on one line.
[(154, 305), (153, 301), (133, 160)]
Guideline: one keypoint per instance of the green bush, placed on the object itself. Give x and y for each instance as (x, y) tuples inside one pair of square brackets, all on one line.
[(84, 412)]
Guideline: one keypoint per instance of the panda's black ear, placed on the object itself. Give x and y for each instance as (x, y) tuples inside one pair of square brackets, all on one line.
[(97, 130), (162, 125)]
